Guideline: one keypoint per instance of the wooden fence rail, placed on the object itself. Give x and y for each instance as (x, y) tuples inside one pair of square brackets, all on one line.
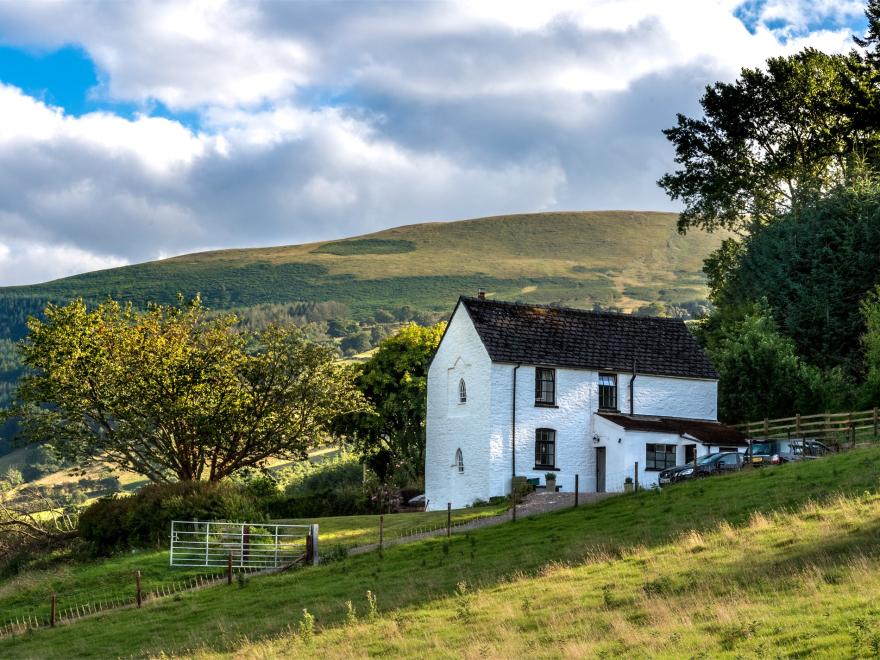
[(832, 428)]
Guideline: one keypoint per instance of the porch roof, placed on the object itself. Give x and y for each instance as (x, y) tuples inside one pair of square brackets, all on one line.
[(705, 431)]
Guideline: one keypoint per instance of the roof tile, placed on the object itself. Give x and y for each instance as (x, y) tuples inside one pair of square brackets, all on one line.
[(566, 337)]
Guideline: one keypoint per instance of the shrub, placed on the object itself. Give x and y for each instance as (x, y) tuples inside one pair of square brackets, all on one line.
[(333, 487), (144, 519)]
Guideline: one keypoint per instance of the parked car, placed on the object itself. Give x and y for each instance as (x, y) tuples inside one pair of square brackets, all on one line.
[(774, 452), (717, 463)]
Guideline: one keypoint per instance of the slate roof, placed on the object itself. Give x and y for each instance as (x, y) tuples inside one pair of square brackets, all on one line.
[(565, 337), (710, 433)]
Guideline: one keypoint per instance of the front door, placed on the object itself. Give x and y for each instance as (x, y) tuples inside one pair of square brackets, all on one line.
[(690, 453), (600, 469)]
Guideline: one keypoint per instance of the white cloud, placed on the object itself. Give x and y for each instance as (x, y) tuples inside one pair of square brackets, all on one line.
[(320, 120)]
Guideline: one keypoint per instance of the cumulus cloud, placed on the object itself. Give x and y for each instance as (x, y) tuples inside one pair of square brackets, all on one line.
[(320, 120)]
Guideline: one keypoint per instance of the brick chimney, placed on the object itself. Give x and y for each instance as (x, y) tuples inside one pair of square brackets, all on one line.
[(481, 294)]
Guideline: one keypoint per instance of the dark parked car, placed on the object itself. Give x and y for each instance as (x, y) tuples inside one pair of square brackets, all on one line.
[(774, 452), (717, 463)]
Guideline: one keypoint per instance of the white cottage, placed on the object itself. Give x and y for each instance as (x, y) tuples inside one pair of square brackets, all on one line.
[(524, 390)]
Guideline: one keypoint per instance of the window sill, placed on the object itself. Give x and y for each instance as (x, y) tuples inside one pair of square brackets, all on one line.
[(547, 468), (538, 404), (608, 410)]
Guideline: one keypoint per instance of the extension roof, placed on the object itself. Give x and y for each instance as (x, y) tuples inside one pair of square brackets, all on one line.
[(566, 337), (707, 432)]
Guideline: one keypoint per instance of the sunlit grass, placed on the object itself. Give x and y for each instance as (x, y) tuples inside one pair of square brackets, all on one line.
[(774, 561)]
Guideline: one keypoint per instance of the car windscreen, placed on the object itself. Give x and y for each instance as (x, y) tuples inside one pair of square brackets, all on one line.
[(710, 458), (762, 448)]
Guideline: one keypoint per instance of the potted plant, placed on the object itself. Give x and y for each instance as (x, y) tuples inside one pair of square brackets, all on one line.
[(550, 478), (628, 485)]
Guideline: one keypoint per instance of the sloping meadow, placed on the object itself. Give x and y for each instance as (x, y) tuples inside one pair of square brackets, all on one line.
[(778, 560)]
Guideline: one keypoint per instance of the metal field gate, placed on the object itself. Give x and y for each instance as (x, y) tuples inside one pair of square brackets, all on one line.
[(245, 545)]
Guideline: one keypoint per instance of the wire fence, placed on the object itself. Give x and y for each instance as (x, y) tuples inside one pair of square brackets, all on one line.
[(65, 608)]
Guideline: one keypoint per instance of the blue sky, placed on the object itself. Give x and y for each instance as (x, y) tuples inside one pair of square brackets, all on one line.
[(137, 130)]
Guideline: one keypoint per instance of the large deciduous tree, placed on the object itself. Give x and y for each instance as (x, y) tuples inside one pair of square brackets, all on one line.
[(394, 380), (772, 140), (174, 393)]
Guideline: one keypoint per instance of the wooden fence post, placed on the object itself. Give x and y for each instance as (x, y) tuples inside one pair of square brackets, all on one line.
[(229, 568), (53, 611), (852, 430), (449, 519), (381, 532), (797, 424), (137, 584), (576, 488), (246, 542), (875, 423), (636, 486), (766, 428)]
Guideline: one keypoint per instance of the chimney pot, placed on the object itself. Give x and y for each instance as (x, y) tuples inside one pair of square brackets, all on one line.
[(481, 294)]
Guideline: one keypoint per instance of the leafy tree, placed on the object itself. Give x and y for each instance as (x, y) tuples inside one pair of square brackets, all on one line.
[(394, 380), (173, 393), (870, 308), (813, 266), (761, 373), (771, 141)]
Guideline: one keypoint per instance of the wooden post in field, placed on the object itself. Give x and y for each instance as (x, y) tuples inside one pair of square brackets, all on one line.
[(576, 489), (449, 519), (797, 425), (636, 486), (514, 495), (53, 611), (827, 427), (137, 584), (310, 548), (229, 568), (381, 532)]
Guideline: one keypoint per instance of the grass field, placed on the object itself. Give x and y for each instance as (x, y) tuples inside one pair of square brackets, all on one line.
[(109, 579), (779, 561), (613, 257), (350, 531)]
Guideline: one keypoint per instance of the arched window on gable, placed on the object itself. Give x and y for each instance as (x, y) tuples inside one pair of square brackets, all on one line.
[(459, 461), (462, 391)]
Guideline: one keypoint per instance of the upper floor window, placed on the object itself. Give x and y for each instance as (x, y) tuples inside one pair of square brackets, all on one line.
[(462, 391), (607, 391), (545, 448), (459, 461), (545, 386)]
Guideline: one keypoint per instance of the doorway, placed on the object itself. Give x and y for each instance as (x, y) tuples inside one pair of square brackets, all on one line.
[(600, 469), (690, 453)]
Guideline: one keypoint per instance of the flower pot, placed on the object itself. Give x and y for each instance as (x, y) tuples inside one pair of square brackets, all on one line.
[(628, 488), (551, 485)]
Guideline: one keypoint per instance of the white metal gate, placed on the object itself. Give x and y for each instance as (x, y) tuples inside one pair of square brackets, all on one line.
[(245, 545)]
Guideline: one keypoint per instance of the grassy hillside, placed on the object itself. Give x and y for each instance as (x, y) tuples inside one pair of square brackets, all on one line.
[(778, 560), (617, 258)]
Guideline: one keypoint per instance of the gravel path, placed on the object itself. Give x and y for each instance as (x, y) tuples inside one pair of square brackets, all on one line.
[(534, 504)]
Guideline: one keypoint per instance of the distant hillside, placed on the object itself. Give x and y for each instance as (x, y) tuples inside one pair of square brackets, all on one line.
[(614, 258)]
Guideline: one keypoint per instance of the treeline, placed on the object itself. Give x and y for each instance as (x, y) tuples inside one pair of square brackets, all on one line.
[(787, 158)]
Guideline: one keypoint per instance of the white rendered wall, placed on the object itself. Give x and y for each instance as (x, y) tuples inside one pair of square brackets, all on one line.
[(576, 396), (451, 425), (673, 397)]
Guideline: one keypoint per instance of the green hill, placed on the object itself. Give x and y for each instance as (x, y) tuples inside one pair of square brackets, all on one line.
[(778, 561), (614, 258)]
